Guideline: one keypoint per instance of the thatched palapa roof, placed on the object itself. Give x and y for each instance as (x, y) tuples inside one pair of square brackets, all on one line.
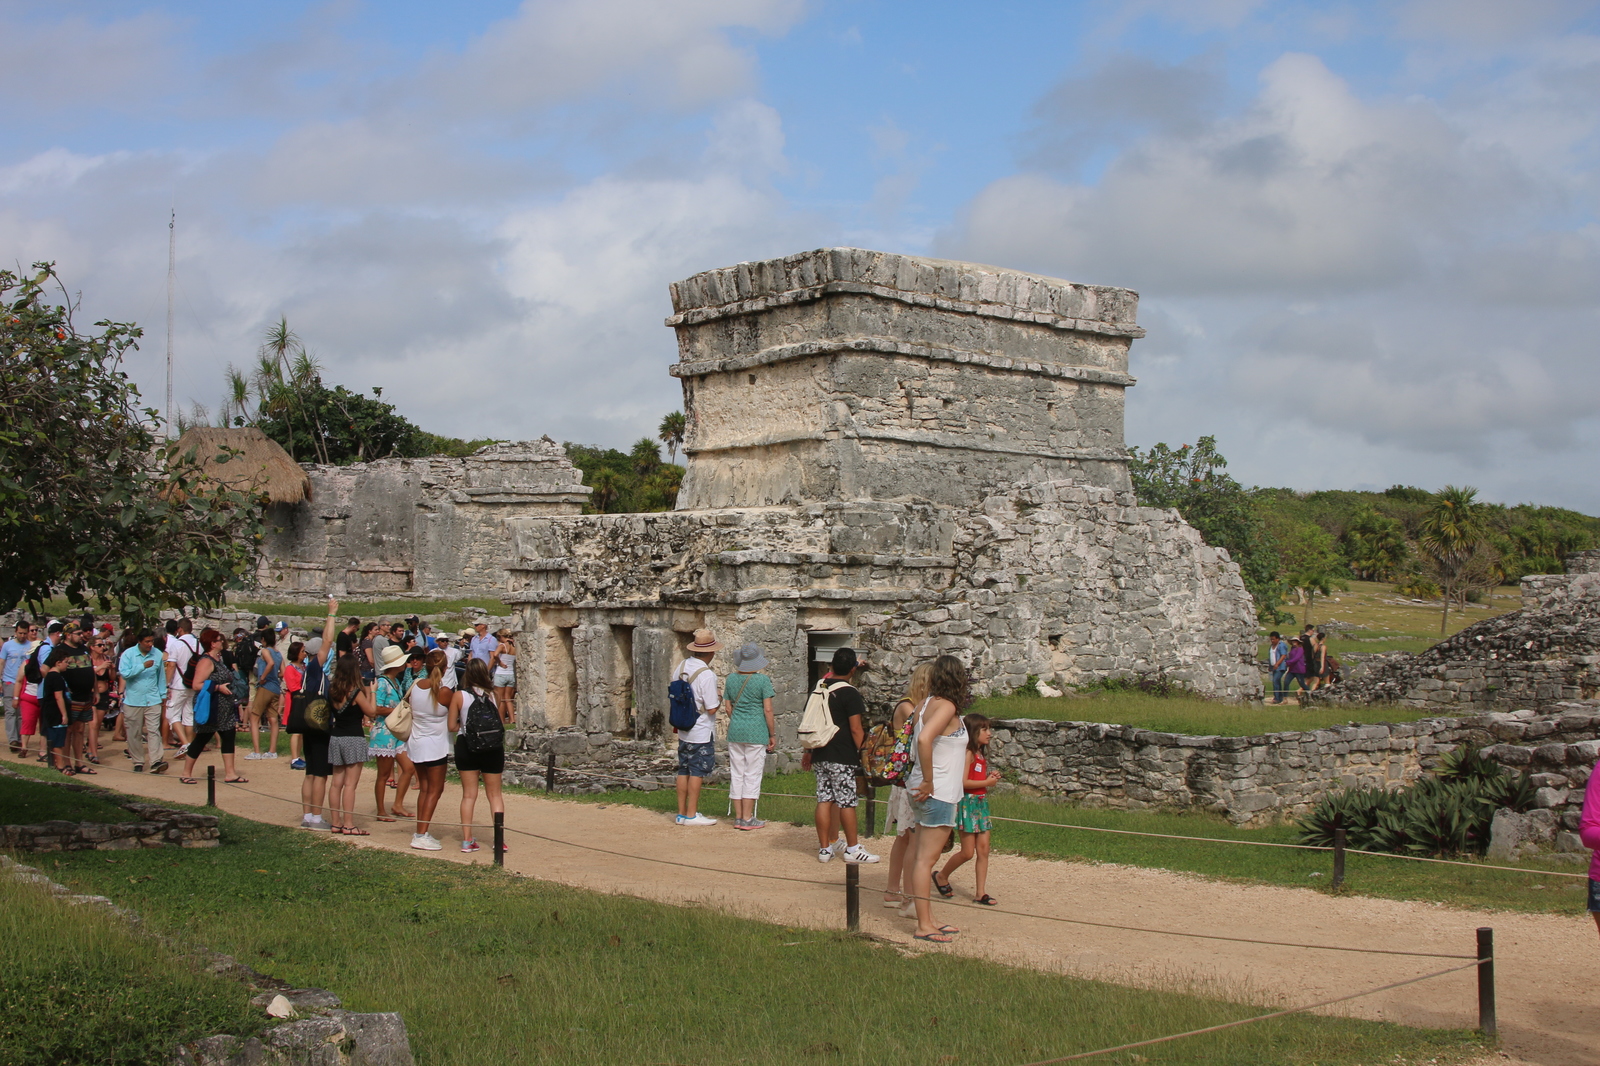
[(261, 465)]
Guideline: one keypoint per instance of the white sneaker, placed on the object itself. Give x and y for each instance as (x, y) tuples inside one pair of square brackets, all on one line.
[(253, 755), (698, 819), (425, 842), (824, 854), (859, 854), (269, 755)]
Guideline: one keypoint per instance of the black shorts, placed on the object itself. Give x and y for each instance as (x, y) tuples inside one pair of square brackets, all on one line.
[(314, 749), (431, 763), (482, 762)]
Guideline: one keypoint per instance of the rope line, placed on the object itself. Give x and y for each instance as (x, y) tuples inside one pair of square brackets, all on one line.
[(1258, 1018)]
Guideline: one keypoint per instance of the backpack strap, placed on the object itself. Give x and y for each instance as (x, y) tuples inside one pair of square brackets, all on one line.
[(690, 679)]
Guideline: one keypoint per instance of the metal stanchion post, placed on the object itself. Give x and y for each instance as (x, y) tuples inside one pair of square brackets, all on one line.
[(211, 786), (550, 772), (1486, 1020), (1338, 856), (852, 897), (499, 838)]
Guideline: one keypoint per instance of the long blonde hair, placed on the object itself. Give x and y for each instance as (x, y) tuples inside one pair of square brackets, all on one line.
[(921, 679), (434, 661)]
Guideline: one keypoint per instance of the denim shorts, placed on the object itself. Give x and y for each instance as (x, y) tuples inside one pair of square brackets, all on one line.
[(696, 760), (1594, 896), (56, 737), (935, 813)]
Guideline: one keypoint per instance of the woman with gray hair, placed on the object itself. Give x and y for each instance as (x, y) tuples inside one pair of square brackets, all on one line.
[(752, 733)]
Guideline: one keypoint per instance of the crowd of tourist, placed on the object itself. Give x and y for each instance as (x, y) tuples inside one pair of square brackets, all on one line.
[(1304, 661)]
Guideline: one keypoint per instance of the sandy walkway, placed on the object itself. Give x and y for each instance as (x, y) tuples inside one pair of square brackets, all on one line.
[(1548, 967)]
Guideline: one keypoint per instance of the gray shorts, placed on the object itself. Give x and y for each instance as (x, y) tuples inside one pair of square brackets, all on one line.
[(836, 784), (347, 751)]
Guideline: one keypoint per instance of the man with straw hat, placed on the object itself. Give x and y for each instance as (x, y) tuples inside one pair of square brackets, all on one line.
[(697, 755)]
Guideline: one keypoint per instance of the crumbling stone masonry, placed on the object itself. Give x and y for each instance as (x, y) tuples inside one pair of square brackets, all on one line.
[(420, 527), (906, 455), (1543, 654)]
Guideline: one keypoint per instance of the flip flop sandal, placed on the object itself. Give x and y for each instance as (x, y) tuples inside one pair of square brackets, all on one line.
[(987, 900), (86, 770), (188, 781), (933, 938), (945, 890), (236, 780), (354, 831), (384, 818), (407, 815), (949, 930)]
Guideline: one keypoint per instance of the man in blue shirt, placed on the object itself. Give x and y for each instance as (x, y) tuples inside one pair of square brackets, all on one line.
[(483, 646), (1278, 661), (144, 695), (13, 653)]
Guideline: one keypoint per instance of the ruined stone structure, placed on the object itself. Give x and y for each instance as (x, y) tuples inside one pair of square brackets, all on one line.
[(430, 527), (905, 455), (1545, 653)]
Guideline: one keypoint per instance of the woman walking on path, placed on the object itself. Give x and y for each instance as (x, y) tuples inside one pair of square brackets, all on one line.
[(752, 733), (940, 740), (268, 698), (293, 677), (504, 661), (352, 704), (384, 745), (897, 893), (972, 813), (480, 727), (222, 721), (432, 705), (1296, 663)]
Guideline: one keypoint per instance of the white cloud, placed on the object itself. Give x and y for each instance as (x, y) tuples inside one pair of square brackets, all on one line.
[(73, 62)]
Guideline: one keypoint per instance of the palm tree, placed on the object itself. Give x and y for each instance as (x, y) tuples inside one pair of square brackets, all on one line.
[(645, 456), (671, 433), (607, 486), (1452, 537)]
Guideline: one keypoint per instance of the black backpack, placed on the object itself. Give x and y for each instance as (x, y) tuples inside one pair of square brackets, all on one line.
[(32, 670), (194, 661), (245, 654), (483, 730)]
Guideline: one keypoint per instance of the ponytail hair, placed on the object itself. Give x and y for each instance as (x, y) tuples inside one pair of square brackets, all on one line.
[(435, 661)]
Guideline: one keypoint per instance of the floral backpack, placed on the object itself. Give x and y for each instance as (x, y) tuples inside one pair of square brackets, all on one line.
[(886, 755)]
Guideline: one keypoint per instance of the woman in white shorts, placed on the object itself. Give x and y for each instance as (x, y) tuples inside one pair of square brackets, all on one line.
[(431, 704), (504, 661), (897, 893), (935, 783)]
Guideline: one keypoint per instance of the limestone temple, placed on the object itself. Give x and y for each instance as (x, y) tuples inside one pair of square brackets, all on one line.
[(905, 455)]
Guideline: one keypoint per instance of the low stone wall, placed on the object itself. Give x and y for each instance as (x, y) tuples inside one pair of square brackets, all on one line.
[(1279, 776), (158, 827)]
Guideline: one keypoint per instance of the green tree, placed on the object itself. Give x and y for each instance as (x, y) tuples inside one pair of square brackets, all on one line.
[(1310, 562), (1194, 482), (90, 505), (1454, 546), (1375, 545), (646, 456), (671, 433)]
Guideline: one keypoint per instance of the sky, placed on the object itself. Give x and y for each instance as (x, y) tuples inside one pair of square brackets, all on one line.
[(1364, 235)]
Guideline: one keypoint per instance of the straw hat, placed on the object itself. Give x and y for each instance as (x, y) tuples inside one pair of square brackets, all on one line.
[(704, 641), (394, 655)]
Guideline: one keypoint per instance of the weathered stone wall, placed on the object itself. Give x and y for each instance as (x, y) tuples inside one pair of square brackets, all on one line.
[(1546, 653), (430, 527), (158, 827), (1059, 580), (1280, 776), (849, 374)]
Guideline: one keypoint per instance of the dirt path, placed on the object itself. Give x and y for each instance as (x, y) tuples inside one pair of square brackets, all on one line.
[(1548, 966)]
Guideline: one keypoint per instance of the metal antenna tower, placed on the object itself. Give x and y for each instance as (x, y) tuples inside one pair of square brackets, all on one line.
[(172, 275)]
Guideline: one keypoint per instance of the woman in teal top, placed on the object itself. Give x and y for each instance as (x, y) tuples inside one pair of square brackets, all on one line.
[(752, 734)]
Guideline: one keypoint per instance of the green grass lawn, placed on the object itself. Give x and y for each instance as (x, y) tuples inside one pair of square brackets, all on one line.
[(1187, 714), (31, 802), (81, 987), (490, 968), (1364, 875)]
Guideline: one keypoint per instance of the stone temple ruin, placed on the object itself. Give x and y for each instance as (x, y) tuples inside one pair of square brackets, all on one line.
[(909, 456)]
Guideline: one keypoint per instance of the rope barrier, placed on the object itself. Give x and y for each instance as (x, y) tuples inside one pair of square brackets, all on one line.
[(1258, 1018), (1138, 833)]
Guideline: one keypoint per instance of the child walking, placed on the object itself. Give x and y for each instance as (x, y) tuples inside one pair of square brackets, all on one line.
[(972, 813)]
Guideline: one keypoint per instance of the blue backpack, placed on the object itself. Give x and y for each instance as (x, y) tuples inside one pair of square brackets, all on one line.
[(683, 710)]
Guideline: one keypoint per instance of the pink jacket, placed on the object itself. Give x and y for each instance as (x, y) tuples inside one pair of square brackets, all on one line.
[(1589, 823)]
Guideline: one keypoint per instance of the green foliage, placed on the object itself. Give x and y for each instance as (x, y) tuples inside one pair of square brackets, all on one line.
[(81, 986), (1448, 813), (671, 432), (90, 504), (1192, 480), (1374, 545), (1157, 684), (629, 482), (1029, 688)]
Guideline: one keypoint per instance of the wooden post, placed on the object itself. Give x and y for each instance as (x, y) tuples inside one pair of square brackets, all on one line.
[(852, 897), (1338, 856), (550, 772), (211, 785), (499, 838), (1486, 1019)]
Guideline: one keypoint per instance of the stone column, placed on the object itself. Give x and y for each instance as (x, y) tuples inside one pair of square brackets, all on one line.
[(654, 653)]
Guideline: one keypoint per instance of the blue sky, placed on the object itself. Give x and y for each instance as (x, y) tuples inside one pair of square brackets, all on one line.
[(1364, 234)]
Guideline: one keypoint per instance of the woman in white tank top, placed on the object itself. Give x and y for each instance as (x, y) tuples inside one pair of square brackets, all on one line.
[(939, 742), (429, 744)]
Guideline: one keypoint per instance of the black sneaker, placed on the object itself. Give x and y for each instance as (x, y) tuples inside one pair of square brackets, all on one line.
[(138, 769)]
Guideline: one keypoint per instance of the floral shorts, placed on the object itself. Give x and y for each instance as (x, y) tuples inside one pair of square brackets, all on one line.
[(972, 815), (696, 760), (836, 784)]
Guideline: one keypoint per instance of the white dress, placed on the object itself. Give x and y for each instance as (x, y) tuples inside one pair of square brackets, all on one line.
[(430, 739)]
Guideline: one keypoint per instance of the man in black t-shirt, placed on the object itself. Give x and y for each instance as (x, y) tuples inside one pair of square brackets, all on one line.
[(345, 642), (71, 656), (837, 762)]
